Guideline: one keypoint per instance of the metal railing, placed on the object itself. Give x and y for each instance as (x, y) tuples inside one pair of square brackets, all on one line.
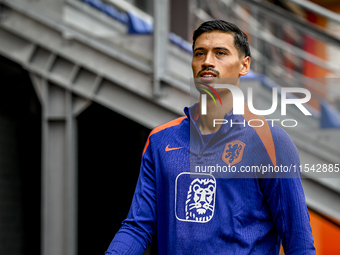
[(281, 41)]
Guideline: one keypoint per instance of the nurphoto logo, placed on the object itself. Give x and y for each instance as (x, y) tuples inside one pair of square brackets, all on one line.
[(238, 103)]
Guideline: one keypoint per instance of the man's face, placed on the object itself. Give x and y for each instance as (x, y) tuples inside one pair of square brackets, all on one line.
[(215, 56)]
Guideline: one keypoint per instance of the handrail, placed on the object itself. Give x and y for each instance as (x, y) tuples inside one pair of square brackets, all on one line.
[(246, 13), (317, 9), (268, 37), (279, 14)]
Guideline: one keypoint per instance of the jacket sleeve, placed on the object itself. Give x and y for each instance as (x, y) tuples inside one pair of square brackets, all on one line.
[(137, 229), (286, 199)]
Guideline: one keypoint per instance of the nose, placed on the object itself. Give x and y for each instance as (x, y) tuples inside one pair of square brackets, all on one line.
[(208, 61), (202, 199)]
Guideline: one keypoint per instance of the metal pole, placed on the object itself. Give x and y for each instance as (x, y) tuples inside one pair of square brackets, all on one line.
[(160, 40), (59, 170)]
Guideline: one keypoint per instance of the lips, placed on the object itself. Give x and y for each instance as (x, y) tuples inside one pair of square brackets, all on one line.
[(207, 75)]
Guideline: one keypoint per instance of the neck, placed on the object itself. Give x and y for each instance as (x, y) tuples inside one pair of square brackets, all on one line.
[(206, 122)]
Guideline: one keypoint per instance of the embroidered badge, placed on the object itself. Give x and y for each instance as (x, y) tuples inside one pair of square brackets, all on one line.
[(233, 152), (195, 197)]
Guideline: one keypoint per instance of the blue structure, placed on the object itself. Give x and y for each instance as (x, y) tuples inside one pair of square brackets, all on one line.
[(330, 117)]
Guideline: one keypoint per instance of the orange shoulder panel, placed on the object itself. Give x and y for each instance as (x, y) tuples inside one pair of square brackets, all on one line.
[(161, 127), (263, 132)]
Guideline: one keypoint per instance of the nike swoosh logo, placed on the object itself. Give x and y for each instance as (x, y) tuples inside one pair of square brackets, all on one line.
[(171, 149)]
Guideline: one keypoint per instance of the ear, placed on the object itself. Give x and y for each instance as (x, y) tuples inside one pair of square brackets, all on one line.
[(245, 65)]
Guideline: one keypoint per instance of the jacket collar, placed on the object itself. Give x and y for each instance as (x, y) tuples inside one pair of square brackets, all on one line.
[(193, 114)]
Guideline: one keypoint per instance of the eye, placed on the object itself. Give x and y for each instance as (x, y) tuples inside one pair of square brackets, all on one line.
[(199, 53), (195, 188), (220, 53), (211, 188)]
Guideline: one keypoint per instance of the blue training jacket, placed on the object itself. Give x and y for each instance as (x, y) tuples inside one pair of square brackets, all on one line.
[(236, 194)]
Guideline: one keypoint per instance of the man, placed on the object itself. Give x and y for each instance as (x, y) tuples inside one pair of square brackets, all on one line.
[(198, 211)]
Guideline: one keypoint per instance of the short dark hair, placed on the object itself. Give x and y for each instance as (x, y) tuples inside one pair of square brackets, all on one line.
[(240, 38)]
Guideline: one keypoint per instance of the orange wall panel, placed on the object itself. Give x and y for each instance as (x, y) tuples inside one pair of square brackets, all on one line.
[(326, 235)]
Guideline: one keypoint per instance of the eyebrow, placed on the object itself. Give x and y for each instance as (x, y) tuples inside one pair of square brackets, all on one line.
[(215, 48), (222, 48)]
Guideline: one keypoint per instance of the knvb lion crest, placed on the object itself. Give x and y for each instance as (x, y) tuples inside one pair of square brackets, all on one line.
[(233, 152), (195, 196), (200, 200)]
